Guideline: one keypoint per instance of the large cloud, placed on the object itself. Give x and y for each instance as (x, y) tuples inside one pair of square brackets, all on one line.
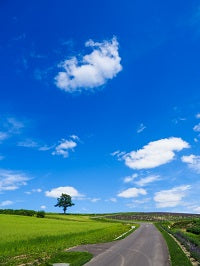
[(171, 197), (93, 70), (155, 153), (57, 192), (132, 192), (193, 161)]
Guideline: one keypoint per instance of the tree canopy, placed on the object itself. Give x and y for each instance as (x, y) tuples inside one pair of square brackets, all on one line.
[(64, 201)]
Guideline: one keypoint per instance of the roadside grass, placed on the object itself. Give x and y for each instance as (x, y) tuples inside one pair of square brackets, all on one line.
[(29, 239), (73, 258), (178, 257)]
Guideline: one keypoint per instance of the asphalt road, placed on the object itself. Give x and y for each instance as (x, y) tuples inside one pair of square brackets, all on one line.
[(144, 247)]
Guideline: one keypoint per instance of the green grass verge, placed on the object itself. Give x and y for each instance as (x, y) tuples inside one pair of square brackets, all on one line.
[(73, 258), (178, 257)]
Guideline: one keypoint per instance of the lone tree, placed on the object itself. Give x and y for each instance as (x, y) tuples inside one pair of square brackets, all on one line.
[(64, 201)]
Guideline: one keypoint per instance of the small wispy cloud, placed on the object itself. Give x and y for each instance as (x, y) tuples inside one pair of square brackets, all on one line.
[(130, 178), (146, 180), (141, 128), (11, 180), (3, 135), (92, 70), (95, 200), (64, 147), (34, 190), (28, 143), (196, 128), (193, 161)]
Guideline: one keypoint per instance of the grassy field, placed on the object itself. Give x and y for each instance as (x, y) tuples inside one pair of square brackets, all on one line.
[(30, 239)]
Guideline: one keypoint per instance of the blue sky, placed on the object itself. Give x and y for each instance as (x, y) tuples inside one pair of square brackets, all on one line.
[(100, 100)]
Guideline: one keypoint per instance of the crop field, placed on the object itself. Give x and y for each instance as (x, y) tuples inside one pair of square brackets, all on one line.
[(38, 240)]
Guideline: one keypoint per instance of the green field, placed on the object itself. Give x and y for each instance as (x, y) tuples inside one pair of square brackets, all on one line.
[(30, 239)]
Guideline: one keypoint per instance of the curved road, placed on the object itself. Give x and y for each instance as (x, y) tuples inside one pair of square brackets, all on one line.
[(144, 247)]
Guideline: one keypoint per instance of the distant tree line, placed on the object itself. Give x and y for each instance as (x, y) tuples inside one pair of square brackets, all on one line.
[(39, 214)]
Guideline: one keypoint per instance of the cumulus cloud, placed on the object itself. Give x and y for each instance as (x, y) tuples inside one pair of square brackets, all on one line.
[(64, 147), (193, 161), (155, 153), (43, 207), (10, 180), (141, 128), (132, 192), (6, 203), (146, 180), (92, 70), (171, 197), (57, 192), (129, 179)]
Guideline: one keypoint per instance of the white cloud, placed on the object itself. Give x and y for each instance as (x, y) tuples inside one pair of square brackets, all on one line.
[(92, 70), (146, 180), (10, 180), (132, 192), (196, 128), (198, 116), (43, 207), (64, 147), (171, 197), (6, 203), (57, 192), (155, 153), (141, 128), (129, 179), (193, 161)]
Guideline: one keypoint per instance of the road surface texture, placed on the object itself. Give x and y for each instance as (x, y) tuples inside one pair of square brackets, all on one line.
[(144, 247)]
